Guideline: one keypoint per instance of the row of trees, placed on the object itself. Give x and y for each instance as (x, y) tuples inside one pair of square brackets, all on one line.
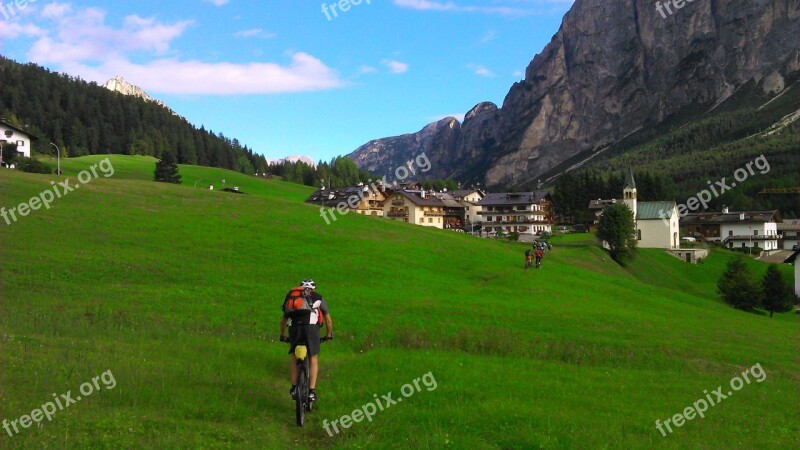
[(84, 118), (739, 288), (340, 171), (573, 191)]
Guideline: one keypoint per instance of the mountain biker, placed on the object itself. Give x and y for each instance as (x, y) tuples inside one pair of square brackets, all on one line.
[(528, 259), (539, 256), (304, 326)]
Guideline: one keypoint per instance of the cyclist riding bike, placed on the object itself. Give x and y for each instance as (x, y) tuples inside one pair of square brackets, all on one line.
[(304, 312)]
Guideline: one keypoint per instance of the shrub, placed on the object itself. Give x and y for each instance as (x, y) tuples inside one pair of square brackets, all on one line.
[(756, 251), (32, 165)]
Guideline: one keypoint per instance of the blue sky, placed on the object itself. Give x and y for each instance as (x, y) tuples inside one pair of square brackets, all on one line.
[(284, 77)]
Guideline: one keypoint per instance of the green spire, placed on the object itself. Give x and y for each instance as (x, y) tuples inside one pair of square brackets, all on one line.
[(629, 181)]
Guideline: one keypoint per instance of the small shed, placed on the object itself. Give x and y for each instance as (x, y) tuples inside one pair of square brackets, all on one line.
[(795, 259)]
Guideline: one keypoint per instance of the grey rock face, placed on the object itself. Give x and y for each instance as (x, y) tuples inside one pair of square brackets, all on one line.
[(614, 67)]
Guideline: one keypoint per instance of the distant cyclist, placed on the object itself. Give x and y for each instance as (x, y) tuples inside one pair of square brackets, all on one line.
[(528, 259), (539, 257), (304, 321)]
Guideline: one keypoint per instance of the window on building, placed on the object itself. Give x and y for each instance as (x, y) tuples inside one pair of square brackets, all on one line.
[(755, 232), (20, 143), (421, 220), (430, 219), (638, 235)]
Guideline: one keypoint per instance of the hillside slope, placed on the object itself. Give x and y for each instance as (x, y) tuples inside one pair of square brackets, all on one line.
[(176, 290)]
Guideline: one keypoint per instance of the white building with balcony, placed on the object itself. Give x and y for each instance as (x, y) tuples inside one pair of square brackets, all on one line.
[(415, 207), (521, 212), (737, 229)]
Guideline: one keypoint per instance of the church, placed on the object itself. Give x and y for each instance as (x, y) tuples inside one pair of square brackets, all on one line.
[(657, 223)]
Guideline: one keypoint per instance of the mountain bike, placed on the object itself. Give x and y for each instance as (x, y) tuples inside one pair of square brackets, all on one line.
[(302, 402)]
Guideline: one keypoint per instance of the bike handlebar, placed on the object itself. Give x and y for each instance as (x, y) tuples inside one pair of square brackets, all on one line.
[(324, 339)]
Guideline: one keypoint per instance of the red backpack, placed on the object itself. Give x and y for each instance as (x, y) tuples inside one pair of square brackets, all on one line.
[(296, 303)]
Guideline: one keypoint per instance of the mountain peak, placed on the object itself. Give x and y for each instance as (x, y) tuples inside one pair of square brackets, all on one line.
[(122, 86)]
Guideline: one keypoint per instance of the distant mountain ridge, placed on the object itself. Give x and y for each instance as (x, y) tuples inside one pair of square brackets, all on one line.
[(293, 159), (614, 68), (122, 86)]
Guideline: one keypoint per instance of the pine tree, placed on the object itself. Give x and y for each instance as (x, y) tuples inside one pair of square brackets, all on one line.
[(778, 295), (738, 287), (167, 169)]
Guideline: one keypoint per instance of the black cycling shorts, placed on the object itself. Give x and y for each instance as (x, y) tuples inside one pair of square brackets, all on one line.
[(304, 334)]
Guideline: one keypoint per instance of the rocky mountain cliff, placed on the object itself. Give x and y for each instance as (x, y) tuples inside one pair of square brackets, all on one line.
[(119, 84), (615, 67)]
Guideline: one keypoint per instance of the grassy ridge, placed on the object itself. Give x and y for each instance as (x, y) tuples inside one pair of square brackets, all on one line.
[(177, 289)]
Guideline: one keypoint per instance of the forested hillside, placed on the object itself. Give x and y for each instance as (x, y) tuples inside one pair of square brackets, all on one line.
[(694, 149), (84, 119)]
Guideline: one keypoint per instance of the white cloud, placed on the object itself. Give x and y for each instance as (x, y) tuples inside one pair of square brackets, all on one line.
[(55, 10), (82, 44), (488, 37), (481, 71), (255, 32), (395, 67), (367, 69), (15, 29), (217, 2), (527, 6), (304, 73)]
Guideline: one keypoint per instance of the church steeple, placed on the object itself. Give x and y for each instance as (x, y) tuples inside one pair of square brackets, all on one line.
[(629, 192)]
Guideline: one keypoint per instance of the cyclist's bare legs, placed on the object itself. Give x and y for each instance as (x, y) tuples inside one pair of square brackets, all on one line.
[(312, 372), (293, 369)]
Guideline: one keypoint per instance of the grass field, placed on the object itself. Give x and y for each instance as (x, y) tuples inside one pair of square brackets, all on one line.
[(176, 290)]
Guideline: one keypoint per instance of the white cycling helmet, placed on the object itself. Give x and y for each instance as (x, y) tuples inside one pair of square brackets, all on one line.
[(308, 284)]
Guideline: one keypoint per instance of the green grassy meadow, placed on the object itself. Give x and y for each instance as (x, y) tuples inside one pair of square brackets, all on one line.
[(177, 290)]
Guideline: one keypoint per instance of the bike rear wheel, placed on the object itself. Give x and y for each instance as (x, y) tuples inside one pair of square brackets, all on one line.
[(302, 395)]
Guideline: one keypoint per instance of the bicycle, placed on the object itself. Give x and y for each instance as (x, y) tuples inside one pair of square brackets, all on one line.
[(302, 403)]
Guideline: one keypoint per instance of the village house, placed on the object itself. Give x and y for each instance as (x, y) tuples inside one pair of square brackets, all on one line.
[(789, 234), (415, 207), (10, 134), (795, 260), (520, 212), (470, 199), (596, 212), (370, 199), (735, 229), (454, 212)]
